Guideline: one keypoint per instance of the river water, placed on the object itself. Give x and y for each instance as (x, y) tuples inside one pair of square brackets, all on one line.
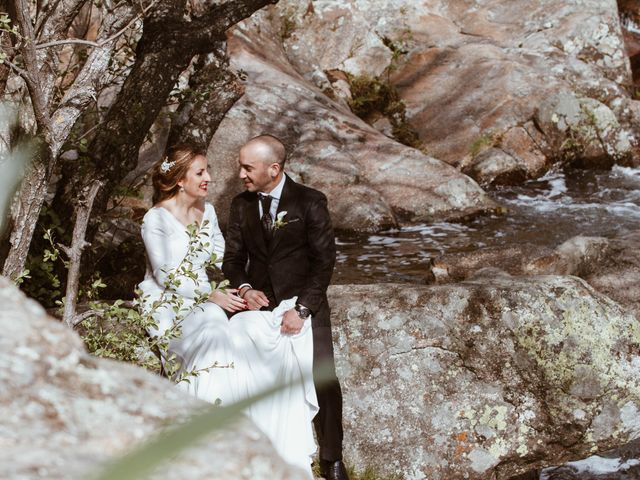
[(544, 212)]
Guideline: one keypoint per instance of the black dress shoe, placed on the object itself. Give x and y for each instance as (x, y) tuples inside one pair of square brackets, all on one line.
[(333, 470)]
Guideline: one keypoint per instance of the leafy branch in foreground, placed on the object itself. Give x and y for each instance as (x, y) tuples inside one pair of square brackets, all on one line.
[(13, 162), (170, 300), (120, 330)]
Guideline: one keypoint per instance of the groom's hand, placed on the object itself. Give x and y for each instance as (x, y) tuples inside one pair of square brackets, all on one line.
[(255, 299), (291, 323)]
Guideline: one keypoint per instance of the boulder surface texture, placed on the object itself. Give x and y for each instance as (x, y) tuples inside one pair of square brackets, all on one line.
[(501, 91), (484, 379), (371, 180), (473, 73), (64, 413)]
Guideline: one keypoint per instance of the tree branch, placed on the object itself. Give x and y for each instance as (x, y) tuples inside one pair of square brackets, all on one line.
[(74, 252), (17, 69), (57, 17), (213, 25), (167, 11), (101, 43), (5, 69), (32, 79), (224, 16), (215, 90), (81, 317), (71, 41)]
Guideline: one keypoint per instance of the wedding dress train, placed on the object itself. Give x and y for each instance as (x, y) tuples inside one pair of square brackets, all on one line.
[(264, 358)]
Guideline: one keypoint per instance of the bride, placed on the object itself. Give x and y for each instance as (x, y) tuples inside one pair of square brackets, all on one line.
[(223, 360)]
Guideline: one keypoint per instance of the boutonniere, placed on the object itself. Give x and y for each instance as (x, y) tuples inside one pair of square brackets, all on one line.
[(280, 221)]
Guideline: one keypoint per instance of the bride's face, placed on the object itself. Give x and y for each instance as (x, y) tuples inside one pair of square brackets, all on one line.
[(196, 182)]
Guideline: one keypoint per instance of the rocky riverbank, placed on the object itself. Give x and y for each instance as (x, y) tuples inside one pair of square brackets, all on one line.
[(490, 375), (513, 359), (501, 94)]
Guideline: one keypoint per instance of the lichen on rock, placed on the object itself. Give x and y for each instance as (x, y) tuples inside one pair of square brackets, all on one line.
[(484, 379)]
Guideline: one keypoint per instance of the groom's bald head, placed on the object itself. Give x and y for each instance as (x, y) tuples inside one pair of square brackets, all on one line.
[(261, 163), (268, 148)]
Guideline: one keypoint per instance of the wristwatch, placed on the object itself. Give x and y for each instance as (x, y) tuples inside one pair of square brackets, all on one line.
[(302, 311)]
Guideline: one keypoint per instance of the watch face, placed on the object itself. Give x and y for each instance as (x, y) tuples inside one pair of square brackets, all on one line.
[(303, 312)]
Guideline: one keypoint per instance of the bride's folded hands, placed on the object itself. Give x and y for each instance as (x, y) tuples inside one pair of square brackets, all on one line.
[(228, 300)]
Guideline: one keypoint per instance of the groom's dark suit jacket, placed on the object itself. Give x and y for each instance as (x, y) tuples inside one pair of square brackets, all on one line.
[(297, 262), (299, 259)]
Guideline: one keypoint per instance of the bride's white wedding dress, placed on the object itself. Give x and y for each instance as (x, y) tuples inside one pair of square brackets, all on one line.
[(250, 343)]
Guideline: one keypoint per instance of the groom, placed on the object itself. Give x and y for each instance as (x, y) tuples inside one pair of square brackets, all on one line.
[(283, 231)]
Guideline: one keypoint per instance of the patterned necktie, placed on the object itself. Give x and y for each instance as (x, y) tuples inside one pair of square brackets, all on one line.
[(266, 220)]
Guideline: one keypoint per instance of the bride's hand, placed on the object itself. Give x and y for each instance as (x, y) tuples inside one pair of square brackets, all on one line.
[(228, 300)]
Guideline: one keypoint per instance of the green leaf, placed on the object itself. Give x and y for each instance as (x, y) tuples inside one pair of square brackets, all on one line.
[(21, 277)]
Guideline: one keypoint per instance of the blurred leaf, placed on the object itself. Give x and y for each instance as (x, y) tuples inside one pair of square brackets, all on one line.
[(13, 164), (141, 462)]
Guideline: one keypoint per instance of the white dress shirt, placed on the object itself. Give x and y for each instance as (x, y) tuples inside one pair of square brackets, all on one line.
[(275, 195)]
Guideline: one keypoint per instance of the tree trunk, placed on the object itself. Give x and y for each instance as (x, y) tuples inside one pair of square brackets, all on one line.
[(217, 89), (25, 213), (84, 205), (144, 93), (82, 92), (168, 44)]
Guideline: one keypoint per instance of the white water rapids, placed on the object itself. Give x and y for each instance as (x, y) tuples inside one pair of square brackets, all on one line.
[(544, 212)]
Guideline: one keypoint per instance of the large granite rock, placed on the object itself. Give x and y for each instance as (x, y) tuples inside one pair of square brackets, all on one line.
[(372, 181), (583, 130), (484, 379), (473, 75), (617, 273), (610, 265), (63, 413), (579, 256)]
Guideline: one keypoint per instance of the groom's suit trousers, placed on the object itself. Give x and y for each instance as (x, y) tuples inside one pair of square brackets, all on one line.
[(328, 421)]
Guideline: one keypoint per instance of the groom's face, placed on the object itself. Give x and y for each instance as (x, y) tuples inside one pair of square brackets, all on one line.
[(257, 171)]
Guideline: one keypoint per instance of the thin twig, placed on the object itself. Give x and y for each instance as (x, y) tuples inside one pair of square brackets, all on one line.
[(71, 41), (17, 69), (81, 317), (101, 43), (78, 319), (31, 65), (97, 125)]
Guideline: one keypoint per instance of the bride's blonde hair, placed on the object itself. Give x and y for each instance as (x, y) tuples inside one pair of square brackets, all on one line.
[(171, 169)]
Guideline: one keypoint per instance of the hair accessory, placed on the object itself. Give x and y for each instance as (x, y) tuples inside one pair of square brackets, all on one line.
[(166, 165)]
